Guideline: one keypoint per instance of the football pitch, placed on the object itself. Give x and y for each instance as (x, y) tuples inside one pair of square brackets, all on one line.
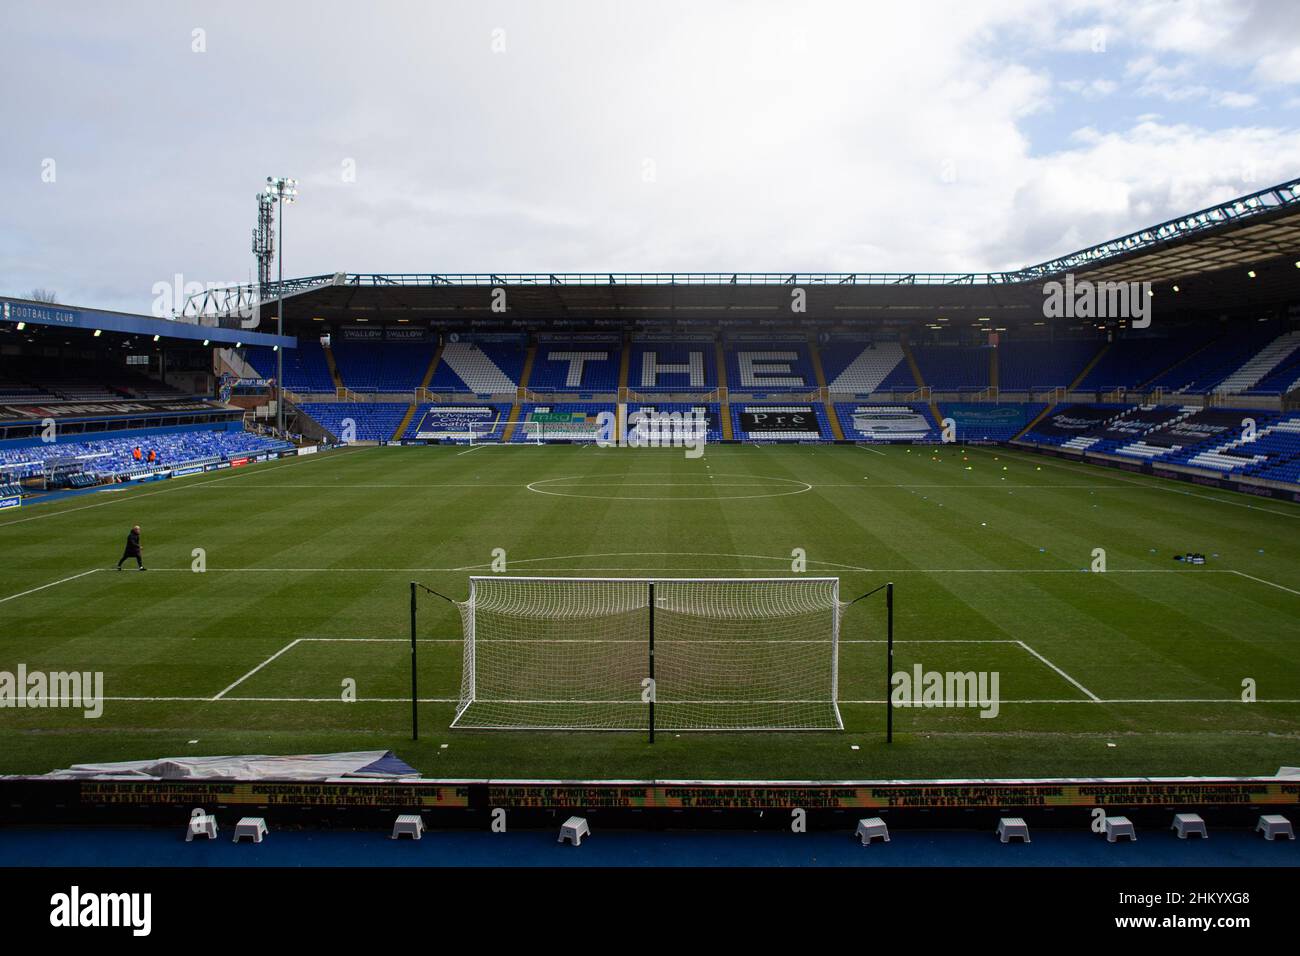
[(302, 600)]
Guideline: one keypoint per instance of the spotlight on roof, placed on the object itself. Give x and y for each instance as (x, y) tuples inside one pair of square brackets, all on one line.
[(275, 348), (239, 345), (98, 332), (207, 342), (21, 326), (1297, 263), (157, 338), (1176, 289), (1251, 273)]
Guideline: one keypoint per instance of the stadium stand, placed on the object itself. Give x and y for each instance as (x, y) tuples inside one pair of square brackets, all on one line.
[(1275, 353), (42, 379), (456, 422), (1132, 362), (1074, 426), (1203, 370), (757, 367), (861, 369), (567, 421), (370, 421), (113, 458), (1042, 365), (873, 422), (985, 422), (382, 366), (1283, 379), (575, 367), (483, 368), (672, 367), (711, 412), (305, 368), (757, 422), (1213, 438), (1270, 445), (949, 368)]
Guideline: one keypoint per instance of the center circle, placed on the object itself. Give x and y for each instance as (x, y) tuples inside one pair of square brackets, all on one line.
[(780, 487)]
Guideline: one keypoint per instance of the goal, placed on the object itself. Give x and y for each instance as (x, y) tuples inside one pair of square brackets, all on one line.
[(642, 653)]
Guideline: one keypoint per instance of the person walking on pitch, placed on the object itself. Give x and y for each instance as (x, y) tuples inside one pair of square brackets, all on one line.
[(132, 549)]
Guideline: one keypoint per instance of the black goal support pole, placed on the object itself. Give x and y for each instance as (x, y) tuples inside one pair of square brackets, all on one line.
[(415, 695), (653, 689), (889, 662), (888, 588)]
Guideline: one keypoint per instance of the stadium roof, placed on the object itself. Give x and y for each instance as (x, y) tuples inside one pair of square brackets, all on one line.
[(1229, 238)]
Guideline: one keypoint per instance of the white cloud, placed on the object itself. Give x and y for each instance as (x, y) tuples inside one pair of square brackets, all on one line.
[(1236, 101), (831, 136), (1090, 89)]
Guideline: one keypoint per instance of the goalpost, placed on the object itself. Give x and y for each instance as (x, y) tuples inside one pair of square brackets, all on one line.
[(650, 653), (534, 431)]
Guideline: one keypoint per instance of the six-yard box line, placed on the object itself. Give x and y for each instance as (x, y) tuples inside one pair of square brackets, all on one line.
[(706, 804)]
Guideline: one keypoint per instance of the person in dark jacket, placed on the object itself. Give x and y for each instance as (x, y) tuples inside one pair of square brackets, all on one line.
[(132, 549)]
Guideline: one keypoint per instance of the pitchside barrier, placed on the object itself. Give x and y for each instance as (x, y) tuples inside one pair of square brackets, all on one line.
[(1150, 802)]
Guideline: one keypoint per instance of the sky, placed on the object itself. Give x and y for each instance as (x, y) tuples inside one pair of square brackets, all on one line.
[(611, 136)]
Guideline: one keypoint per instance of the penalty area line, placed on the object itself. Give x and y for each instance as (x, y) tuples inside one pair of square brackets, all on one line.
[(1058, 670), (73, 577), (286, 647)]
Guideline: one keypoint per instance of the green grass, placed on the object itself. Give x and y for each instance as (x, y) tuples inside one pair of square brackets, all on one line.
[(989, 551)]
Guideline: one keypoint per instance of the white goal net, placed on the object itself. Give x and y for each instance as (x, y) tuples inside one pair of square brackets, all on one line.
[(575, 653)]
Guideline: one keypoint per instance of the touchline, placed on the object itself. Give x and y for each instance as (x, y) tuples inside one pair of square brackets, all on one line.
[(40, 689)]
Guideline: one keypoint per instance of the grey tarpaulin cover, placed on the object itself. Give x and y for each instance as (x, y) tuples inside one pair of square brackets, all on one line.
[(370, 764)]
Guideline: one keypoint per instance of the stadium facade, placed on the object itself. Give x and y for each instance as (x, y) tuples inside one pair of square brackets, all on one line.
[(1175, 348)]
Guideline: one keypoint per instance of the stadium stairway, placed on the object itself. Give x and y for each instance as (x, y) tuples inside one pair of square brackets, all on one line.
[(1034, 424), (525, 376), (406, 420), (819, 373), (920, 381), (725, 403), (624, 364), (994, 370), (1087, 369), (1259, 365), (1182, 361), (333, 366), (433, 367)]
